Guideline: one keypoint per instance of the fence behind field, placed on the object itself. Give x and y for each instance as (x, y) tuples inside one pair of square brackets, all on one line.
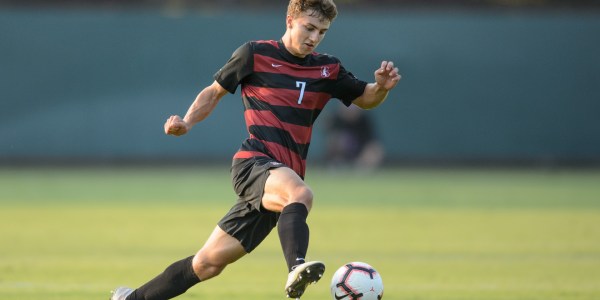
[(478, 85)]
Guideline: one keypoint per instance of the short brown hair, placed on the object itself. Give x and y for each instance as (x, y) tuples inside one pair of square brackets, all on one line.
[(323, 9)]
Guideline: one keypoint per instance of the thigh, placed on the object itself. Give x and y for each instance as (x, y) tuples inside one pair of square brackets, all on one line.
[(268, 185), (284, 186)]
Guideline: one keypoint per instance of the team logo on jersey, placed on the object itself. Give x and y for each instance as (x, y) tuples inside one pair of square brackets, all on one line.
[(325, 72)]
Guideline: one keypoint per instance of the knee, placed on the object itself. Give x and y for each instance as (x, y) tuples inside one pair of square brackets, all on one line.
[(205, 268), (302, 194)]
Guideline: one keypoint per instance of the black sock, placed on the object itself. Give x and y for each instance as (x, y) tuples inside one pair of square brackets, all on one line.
[(174, 281), (293, 233)]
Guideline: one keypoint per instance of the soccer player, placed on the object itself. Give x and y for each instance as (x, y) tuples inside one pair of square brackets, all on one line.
[(285, 84)]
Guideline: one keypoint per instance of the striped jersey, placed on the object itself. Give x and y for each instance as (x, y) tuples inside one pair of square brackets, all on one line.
[(283, 95)]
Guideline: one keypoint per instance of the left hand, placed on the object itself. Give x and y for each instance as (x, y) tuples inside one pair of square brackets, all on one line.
[(387, 76)]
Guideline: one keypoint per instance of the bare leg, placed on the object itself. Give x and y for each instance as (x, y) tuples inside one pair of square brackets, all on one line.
[(284, 187), (219, 250), (287, 193)]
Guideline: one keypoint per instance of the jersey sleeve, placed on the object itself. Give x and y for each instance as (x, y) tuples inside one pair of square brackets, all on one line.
[(237, 67), (348, 87)]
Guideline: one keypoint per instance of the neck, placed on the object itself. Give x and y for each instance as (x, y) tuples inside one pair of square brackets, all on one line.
[(287, 42)]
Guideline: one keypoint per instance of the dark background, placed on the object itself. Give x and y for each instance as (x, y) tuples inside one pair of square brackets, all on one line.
[(484, 82)]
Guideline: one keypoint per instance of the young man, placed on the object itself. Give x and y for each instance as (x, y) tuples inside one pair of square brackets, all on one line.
[(285, 85)]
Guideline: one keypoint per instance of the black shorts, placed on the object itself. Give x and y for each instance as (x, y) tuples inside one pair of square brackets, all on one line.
[(247, 220)]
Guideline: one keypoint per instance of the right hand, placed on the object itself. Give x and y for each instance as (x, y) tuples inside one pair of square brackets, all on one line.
[(176, 126)]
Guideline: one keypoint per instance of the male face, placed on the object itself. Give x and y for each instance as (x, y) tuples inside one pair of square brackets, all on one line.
[(306, 32)]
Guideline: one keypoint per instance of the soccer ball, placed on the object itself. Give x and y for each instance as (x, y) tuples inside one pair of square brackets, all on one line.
[(356, 281)]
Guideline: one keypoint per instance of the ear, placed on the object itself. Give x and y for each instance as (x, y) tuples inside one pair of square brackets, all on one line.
[(288, 21)]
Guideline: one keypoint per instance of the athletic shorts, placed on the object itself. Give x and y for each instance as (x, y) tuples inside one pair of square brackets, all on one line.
[(247, 220)]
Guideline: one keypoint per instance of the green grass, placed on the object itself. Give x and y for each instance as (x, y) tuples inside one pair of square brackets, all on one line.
[(432, 234)]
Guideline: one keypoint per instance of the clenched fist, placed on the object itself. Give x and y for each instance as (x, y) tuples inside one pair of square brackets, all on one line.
[(175, 125)]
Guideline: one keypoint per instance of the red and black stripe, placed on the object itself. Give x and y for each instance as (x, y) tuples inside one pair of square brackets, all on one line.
[(283, 95)]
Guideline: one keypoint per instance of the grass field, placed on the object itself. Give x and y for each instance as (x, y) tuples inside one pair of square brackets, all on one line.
[(433, 234)]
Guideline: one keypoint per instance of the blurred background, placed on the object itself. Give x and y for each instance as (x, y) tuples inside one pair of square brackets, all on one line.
[(485, 82)]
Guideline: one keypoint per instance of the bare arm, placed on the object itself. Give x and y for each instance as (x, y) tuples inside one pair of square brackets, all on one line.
[(386, 78), (205, 103)]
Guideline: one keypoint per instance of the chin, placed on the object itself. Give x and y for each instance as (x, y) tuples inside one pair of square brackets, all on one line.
[(308, 51)]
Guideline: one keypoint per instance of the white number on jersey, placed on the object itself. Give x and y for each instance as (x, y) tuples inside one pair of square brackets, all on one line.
[(302, 86)]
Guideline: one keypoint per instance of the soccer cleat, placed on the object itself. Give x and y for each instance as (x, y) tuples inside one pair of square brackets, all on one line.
[(120, 293), (301, 276)]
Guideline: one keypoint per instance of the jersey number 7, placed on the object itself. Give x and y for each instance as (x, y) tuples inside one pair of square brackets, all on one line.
[(302, 86)]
